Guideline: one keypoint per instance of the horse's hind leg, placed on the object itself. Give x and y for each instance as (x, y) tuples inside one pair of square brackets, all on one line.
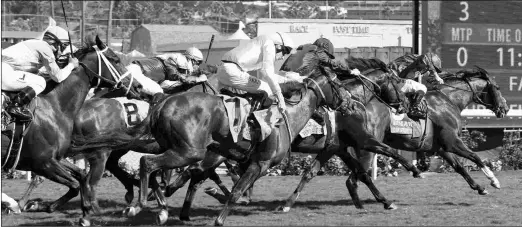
[(125, 178), (24, 202), (198, 177), (308, 175), (454, 162), (373, 145), (359, 173), (97, 165)]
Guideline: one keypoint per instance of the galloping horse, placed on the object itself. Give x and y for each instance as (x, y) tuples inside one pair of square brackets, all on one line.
[(188, 124), (442, 128), (48, 136)]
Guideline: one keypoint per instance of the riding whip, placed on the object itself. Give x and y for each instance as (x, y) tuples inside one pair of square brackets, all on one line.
[(69, 34), (209, 47)]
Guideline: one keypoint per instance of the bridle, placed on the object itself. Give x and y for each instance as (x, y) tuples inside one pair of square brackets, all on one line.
[(114, 73), (476, 97)]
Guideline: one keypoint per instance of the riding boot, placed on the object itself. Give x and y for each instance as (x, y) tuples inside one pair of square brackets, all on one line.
[(417, 110), (18, 108)]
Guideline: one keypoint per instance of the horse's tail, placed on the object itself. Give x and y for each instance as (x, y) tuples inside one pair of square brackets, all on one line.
[(121, 138)]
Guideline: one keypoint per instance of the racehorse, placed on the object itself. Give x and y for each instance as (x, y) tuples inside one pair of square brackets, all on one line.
[(103, 114), (443, 125), (48, 135), (190, 122)]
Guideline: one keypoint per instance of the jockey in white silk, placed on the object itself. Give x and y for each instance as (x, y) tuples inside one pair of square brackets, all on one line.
[(259, 54), (22, 61)]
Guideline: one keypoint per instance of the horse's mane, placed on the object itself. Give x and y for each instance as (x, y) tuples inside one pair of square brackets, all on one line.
[(363, 64)]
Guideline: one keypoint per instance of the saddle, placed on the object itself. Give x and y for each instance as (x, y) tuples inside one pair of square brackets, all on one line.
[(14, 129)]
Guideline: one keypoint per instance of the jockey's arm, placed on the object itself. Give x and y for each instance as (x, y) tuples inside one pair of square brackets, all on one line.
[(55, 72), (267, 69)]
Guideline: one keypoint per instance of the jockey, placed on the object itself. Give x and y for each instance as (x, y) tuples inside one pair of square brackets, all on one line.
[(425, 63), (180, 66), (194, 56), (258, 54), (327, 58), (22, 61)]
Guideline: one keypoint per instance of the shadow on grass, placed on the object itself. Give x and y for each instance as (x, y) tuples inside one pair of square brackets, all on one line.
[(113, 210), (310, 204)]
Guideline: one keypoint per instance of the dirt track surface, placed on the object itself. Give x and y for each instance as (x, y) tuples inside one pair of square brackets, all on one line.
[(440, 199)]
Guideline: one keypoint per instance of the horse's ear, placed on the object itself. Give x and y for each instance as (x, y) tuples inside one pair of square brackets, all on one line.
[(99, 43)]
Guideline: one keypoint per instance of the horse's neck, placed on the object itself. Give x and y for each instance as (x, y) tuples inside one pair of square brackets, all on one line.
[(459, 94), (300, 113), (68, 97)]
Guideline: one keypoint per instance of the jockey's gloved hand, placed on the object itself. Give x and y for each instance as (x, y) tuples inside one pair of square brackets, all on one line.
[(356, 72), (74, 61)]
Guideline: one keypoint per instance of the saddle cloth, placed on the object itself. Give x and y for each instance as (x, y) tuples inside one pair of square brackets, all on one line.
[(134, 111), (237, 111), (403, 125)]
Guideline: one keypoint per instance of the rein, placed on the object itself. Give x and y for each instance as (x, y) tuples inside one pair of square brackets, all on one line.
[(476, 98)]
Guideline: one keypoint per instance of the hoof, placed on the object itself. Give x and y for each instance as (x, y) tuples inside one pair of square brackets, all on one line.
[(130, 212), (184, 218), (129, 197), (211, 191), (391, 207), (84, 222), (242, 201), (495, 184), (283, 209), (420, 176), (484, 192), (218, 223), (162, 217)]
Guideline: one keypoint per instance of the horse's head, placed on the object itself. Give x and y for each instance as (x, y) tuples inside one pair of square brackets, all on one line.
[(105, 68), (485, 90)]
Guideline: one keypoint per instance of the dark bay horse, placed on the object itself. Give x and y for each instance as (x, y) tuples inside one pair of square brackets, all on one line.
[(188, 124), (48, 136), (443, 128)]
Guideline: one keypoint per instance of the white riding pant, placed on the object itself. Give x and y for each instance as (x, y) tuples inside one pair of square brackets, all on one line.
[(413, 86), (149, 86), (230, 75), (14, 80)]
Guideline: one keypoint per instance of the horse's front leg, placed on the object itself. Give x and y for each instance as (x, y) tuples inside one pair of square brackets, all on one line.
[(253, 173), (90, 205), (24, 202), (452, 160)]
